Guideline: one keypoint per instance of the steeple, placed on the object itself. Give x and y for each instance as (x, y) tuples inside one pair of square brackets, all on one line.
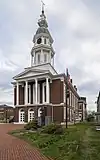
[(42, 21), (42, 6), (42, 52)]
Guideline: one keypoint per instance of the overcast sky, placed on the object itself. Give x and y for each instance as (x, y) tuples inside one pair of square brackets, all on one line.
[(75, 28)]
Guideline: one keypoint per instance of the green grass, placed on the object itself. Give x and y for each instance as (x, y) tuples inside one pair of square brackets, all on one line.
[(79, 142)]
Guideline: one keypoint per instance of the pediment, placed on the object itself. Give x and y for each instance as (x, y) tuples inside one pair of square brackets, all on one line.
[(30, 73)]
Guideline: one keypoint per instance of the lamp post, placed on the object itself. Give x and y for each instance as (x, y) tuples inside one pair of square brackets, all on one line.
[(74, 117), (6, 115), (67, 95), (66, 108), (67, 87)]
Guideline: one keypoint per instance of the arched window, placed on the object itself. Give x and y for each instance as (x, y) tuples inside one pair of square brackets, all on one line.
[(39, 112), (21, 115), (31, 110), (30, 115), (22, 110)]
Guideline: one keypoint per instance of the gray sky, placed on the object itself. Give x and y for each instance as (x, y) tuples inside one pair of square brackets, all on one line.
[(75, 27)]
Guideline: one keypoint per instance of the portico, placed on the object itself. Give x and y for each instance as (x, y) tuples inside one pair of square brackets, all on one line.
[(36, 91)]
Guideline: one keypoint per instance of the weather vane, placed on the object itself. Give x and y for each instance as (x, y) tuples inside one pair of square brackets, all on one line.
[(43, 4)]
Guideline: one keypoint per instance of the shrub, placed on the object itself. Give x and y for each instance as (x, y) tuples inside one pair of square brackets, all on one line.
[(90, 118), (59, 131), (53, 129), (32, 125)]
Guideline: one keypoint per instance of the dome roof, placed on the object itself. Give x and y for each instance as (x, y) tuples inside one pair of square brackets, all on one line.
[(43, 28)]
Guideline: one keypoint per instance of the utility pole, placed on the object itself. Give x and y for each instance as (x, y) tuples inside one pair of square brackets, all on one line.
[(66, 105), (67, 94)]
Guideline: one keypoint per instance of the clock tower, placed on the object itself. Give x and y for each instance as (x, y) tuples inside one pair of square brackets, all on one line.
[(42, 51)]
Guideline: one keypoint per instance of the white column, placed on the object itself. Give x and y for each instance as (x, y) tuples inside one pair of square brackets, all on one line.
[(30, 94), (47, 90), (17, 93), (33, 93), (26, 93), (38, 93), (43, 93), (36, 90)]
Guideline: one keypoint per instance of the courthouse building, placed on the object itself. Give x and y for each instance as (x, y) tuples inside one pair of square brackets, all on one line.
[(39, 91)]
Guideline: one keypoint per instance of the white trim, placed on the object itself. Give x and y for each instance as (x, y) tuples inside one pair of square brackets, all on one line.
[(39, 112), (32, 112), (64, 92), (32, 77), (20, 116), (64, 113), (38, 93), (62, 79), (26, 93), (47, 90), (61, 104), (31, 60), (29, 94), (32, 69), (33, 105), (43, 93), (19, 123), (50, 104), (29, 69), (17, 93), (36, 90)]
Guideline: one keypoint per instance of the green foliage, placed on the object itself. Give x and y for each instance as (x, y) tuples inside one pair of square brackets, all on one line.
[(90, 118), (79, 142), (53, 129), (32, 125)]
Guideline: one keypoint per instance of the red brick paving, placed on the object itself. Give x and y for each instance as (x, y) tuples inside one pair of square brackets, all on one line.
[(12, 148)]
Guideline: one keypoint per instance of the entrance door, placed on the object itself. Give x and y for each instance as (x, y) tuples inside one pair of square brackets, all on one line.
[(30, 115)]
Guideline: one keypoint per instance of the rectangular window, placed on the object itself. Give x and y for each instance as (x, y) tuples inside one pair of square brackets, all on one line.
[(38, 58), (45, 41), (80, 107), (45, 57), (28, 94), (44, 93)]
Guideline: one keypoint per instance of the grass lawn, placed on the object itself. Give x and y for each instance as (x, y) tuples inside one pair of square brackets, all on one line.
[(79, 142)]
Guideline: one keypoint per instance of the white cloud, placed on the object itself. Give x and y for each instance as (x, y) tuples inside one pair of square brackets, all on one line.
[(75, 29)]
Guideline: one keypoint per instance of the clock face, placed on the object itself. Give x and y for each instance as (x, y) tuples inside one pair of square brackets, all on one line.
[(39, 41)]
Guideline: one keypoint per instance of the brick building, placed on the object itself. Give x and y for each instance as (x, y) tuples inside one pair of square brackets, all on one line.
[(39, 91), (6, 113), (82, 108)]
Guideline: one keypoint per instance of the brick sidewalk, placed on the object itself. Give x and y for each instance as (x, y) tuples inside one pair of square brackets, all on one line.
[(12, 148)]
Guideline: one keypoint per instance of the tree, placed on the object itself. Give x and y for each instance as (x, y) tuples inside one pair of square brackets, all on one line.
[(91, 116)]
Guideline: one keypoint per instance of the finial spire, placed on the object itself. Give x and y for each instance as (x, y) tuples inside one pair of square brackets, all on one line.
[(42, 6)]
